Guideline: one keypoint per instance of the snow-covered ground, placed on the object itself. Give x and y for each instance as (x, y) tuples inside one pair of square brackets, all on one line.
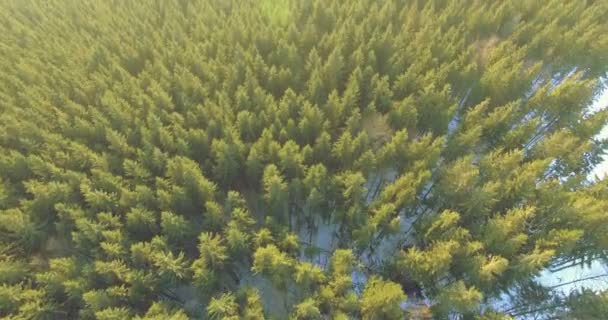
[(602, 103), (575, 273), (594, 277)]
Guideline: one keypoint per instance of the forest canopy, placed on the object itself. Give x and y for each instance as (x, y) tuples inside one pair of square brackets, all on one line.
[(300, 159)]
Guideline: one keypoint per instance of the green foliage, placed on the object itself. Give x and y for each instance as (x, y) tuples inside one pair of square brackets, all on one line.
[(160, 311), (307, 309), (270, 260), (211, 249), (382, 300), (457, 297), (160, 158), (587, 305), (223, 307)]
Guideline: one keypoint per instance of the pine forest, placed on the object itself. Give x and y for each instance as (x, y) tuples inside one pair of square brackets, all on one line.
[(300, 159)]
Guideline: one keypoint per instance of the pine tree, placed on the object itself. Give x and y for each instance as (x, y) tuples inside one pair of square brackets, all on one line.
[(382, 300), (223, 307)]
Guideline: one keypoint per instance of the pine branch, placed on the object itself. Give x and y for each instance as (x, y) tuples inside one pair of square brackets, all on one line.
[(579, 280), (550, 307)]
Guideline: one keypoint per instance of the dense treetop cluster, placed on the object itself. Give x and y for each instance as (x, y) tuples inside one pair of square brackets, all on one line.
[(299, 159)]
